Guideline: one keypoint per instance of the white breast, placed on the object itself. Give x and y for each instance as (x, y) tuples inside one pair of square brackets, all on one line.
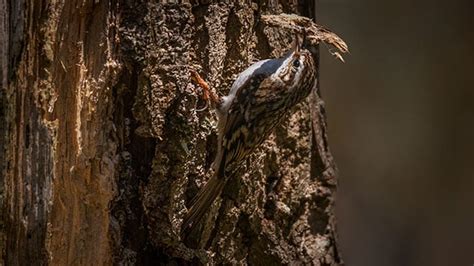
[(241, 79)]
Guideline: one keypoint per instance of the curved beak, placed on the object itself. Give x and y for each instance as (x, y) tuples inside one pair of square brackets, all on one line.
[(297, 44)]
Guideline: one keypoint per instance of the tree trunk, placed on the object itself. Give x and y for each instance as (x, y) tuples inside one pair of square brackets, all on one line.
[(102, 146)]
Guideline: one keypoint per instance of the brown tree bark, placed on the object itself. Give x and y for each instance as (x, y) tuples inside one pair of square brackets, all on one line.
[(102, 148)]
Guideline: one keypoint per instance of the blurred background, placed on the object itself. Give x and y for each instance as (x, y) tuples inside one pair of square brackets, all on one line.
[(401, 128)]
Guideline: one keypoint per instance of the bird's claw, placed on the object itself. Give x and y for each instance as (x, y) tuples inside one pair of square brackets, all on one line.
[(208, 94)]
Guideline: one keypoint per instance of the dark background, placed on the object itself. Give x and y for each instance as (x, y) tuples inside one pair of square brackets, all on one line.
[(401, 127)]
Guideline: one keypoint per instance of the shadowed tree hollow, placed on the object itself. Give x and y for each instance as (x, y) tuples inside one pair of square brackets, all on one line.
[(102, 146)]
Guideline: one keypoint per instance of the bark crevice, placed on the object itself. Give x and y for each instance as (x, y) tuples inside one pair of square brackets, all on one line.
[(102, 147)]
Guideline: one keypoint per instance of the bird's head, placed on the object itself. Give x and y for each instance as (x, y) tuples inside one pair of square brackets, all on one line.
[(298, 68)]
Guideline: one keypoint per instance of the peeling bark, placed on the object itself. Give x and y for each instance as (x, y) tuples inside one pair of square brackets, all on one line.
[(104, 149)]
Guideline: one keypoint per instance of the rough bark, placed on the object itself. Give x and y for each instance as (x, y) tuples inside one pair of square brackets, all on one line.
[(103, 149)]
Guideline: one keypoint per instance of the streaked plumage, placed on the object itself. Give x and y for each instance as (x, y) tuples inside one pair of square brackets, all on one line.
[(256, 103)]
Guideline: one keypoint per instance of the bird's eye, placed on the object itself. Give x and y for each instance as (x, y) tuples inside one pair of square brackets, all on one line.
[(296, 63)]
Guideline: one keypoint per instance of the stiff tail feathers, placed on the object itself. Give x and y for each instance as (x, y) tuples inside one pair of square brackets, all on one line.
[(201, 204)]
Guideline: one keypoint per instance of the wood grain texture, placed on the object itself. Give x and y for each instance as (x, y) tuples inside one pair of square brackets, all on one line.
[(106, 148)]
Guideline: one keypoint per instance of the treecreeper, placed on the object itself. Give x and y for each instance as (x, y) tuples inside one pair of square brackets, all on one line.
[(258, 100)]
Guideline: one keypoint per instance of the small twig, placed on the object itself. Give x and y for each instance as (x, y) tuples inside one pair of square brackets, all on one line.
[(313, 32)]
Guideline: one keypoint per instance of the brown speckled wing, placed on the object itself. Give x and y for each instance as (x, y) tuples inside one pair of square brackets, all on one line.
[(244, 128)]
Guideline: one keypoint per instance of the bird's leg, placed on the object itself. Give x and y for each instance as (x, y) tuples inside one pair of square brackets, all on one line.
[(208, 93)]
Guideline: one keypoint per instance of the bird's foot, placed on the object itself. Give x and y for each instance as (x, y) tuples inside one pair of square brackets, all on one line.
[(208, 94)]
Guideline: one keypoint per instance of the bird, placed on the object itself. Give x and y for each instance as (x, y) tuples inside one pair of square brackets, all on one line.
[(257, 101)]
